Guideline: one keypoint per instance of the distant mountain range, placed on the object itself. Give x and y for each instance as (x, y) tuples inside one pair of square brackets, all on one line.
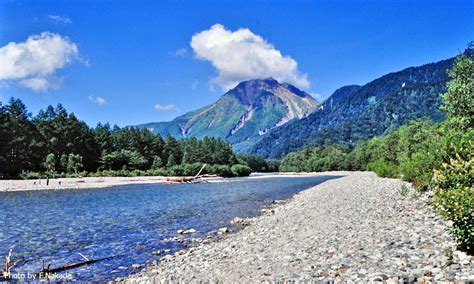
[(271, 119), (355, 113), (243, 115)]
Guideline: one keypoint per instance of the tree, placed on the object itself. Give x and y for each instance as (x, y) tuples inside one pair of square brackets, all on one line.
[(173, 151), (117, 160), (458, 101), (20, 148), (157, 163), (255, 162), (50, 163), (63, 162), (74, 163)]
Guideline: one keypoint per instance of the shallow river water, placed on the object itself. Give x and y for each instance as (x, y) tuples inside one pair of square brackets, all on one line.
[(127, 222)]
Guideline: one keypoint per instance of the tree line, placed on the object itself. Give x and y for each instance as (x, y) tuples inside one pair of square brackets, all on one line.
[(56, 143), (433, 156)]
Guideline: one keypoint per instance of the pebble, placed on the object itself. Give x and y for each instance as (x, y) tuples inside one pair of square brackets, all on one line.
[(222, 231), (355, 228)]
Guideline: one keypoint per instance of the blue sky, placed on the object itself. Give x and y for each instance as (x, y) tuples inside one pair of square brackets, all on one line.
[(131, 62)]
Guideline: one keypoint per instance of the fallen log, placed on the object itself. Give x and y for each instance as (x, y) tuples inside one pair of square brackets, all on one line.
[(47, 270)]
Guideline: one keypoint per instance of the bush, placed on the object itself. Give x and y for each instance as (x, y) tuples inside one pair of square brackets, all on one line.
[(383, 169), (454, 199), (418, 170), (221, 170), (31, 175), (159, 172), (241, 170), (255, 162), (177, 170), (273, 165)]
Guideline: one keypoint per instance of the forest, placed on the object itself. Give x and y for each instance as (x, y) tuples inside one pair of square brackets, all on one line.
[(354, 113), (56, 143), (433, 156)]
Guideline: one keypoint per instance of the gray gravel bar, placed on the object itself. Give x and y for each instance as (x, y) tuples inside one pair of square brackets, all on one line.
[(356, 228)]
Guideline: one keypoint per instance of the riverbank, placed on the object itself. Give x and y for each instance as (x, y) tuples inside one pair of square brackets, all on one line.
[(357, 227), (101, 182)]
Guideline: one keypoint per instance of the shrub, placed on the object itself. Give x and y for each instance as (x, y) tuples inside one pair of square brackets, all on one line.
[(137, 173), (418, 170), (454, 198), (176, 170), (31, 175), (383, 169), (241, 170), (159, 172), (255, 162), (221, 170)]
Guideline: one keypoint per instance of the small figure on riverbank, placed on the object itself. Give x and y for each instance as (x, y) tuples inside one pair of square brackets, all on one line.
[(47, 181)]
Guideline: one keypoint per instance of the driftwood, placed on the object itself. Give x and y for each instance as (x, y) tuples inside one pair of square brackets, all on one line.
[(45, 271), (185, 179), (6, 274)]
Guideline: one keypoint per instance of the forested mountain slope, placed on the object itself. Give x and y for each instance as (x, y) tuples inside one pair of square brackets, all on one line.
[(353, 113)]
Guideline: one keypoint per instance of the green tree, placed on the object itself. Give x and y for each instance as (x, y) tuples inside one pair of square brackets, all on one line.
[(458, 101), (157, 163), (50, 163), (74, 163), (173, 151), (454, 179)]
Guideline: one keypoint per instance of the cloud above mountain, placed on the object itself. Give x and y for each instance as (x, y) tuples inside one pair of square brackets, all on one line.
[(59, 19), (167, 107), (97, 100), (33, 64), (242, 55)]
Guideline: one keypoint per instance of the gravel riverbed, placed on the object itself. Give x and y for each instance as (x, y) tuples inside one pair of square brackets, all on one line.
[(355, 228)]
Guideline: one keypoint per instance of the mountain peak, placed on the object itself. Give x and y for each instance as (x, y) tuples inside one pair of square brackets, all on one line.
[(246, 91), (243, 115)]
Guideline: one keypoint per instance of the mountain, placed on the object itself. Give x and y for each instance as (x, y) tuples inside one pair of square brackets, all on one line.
[(355, 113), (243, 115)]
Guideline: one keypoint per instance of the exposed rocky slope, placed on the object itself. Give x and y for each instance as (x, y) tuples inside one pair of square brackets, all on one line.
[(357, 227), (242, 115)]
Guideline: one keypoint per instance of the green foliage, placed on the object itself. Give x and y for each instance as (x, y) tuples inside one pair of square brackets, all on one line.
[(454, 179), (383, 168), (123, 159), (157, 163), (256, 163), (32, 175), (50, 162), (185, 169), (241, 170), (458, 101), (317, 159), (74, 163), (57, 142), (454, 198), (221, 170), (273, 165)]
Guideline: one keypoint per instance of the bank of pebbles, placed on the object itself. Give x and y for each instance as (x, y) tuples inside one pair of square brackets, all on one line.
[(358, 227)]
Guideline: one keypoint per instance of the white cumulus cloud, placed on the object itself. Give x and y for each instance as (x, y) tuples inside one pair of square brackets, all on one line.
[(242, 55), (59, 19), (97, 100), (33, 63), (165, 107)]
